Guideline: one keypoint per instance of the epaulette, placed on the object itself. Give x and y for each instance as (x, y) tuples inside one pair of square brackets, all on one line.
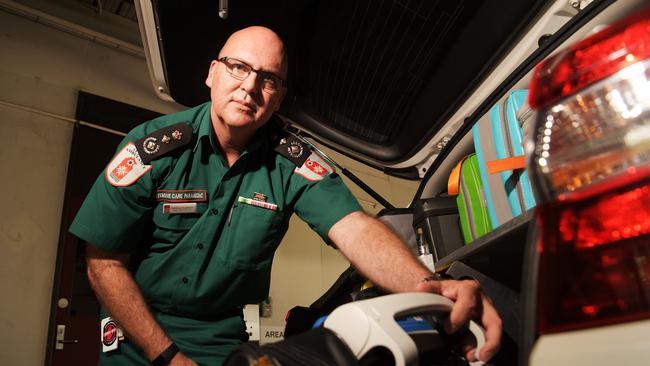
[(292, 148), (309, 164), (164, 140)]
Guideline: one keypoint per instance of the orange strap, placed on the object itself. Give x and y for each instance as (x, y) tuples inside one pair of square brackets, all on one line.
[(501, 165), (454, 179)]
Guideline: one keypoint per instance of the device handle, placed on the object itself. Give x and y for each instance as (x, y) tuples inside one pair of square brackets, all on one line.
[(366, 324)]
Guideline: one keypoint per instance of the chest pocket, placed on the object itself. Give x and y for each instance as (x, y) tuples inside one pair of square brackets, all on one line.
[(251, 236), (171, 228)]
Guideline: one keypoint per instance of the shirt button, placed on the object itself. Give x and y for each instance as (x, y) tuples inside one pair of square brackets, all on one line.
[(214, 211), (200, 246), (185, 280)]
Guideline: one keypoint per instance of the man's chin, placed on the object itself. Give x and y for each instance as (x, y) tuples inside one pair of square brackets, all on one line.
[(240, 120), (242, 124)]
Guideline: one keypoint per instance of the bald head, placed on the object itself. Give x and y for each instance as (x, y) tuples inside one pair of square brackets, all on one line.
[(242, 103), (262, 41)]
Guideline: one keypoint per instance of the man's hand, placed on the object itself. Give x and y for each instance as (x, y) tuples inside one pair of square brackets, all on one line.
[(181, 360), (385, 259), (469, 304)]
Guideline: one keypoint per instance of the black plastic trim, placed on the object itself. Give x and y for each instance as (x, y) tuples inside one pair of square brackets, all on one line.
[(528, 297), (375, 151), (410, 173), (486, 253)]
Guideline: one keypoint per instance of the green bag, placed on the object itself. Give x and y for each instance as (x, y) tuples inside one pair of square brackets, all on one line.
[(472, 206)]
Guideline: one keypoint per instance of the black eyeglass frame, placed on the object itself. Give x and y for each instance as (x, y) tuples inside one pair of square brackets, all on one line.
[(225, 61)]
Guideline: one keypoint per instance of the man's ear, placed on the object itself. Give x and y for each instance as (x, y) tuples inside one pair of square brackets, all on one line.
[(211, 71)]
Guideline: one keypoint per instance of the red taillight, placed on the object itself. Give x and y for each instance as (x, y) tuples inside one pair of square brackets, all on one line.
[(593, 117), (591, 60), (591, 168), (594, 266), (621, 216)]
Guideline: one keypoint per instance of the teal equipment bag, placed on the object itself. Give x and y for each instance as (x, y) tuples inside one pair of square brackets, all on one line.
[(498, 141)]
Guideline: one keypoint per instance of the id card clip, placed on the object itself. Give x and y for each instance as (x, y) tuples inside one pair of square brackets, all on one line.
[(111, 334)]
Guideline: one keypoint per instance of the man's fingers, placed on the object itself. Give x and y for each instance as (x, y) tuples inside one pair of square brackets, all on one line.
[(468, 347), (469, 304), (465, 294), (493, 329)]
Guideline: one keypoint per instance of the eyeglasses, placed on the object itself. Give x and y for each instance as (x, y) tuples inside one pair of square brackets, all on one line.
[(240, 71)]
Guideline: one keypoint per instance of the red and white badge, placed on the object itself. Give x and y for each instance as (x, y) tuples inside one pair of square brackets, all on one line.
[(315, 168), (126, 167), (111, 334)]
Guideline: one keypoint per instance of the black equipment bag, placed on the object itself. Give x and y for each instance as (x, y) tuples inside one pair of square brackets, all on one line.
[(317, 347), (438, 219)]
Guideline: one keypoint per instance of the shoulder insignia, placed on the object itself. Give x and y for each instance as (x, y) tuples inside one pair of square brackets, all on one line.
[(293, 149), (315, 168), (309, 164), (163, 141), (126, 167)]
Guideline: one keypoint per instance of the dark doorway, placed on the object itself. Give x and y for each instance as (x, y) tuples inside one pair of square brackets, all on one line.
[(74, 337)]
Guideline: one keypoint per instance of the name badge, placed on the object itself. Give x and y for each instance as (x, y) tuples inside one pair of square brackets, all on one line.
[(179, 208), (187, 195)]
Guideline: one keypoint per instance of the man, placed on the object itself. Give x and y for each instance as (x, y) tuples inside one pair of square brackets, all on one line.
[(185, 220)]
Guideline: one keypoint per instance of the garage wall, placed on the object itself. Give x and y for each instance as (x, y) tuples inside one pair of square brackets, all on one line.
[(41, 70)]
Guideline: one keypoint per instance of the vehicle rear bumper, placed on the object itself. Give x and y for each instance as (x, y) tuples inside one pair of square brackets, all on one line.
[(622, 344)]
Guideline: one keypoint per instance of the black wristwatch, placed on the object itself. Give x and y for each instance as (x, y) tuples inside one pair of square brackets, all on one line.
[(166, 356)]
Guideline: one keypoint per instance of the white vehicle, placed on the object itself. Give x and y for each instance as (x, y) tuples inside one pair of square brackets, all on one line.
[(400, 86)]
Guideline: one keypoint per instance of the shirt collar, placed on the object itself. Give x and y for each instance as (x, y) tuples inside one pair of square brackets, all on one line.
[(204, 133), (260, 139)]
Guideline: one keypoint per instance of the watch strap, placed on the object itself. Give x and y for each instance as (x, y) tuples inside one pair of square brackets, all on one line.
[(165, 357)]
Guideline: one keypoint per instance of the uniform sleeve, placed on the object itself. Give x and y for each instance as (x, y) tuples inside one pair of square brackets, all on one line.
[(114, 217), (324, 203)]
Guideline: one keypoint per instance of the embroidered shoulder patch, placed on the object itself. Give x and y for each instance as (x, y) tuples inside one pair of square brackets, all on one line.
[(315, 168), (126, 167)]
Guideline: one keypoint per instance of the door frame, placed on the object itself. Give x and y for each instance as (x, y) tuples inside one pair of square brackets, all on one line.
[(112, 117)]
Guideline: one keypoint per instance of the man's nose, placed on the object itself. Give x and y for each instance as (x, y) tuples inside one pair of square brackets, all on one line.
[(250, 83)]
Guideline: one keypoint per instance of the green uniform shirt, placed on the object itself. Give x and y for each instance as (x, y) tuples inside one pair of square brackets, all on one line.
[(201, 264)]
